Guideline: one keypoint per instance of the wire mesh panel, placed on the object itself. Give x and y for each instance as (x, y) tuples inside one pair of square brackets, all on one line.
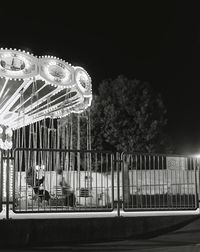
[(158, 182), (62, 180)]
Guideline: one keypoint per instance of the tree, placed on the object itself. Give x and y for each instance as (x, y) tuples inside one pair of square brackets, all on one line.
[(127, 115)]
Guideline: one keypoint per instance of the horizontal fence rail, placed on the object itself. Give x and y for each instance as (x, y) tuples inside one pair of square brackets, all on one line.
[(156, 182)]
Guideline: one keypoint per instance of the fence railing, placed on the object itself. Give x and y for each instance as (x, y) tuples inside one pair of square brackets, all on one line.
[(157, 182), (61, 180), (54, 180)]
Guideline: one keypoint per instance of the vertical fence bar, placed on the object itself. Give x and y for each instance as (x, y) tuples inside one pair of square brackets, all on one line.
[(136, 171), (154, 172), (1, 178), (197, 183), (195, 179), (132, 179), (158, 176), (117, 159), (163, 181), (7, 186), (184, 184), (149, 159), (96, 181), (167, 182), (112, 181), (179, 187), (145, 180), (141, 196), (188, 183)]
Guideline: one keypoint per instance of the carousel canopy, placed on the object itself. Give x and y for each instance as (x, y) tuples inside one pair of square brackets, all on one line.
[(33, 88)]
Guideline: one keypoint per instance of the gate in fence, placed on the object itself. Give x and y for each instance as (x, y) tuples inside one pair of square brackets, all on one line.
[(60, 180), (69, 181)]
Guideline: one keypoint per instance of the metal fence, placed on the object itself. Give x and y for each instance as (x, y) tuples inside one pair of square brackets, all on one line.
[(158, 182), (63, 180), (54, 181)]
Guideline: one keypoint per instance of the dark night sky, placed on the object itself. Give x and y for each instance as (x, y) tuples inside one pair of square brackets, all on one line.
[(155, 41)]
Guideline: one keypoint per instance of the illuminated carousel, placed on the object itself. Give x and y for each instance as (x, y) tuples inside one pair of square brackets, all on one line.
[(36, 90), (44, 103)]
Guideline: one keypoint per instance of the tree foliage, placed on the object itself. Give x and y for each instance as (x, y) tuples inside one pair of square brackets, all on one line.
[(127, 115)]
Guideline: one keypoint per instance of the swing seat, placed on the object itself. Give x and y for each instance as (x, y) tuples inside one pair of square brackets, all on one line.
[(65, 195), (62, 191)]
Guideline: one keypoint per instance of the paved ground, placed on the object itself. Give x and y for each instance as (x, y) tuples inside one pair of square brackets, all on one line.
[(186, 239), (141, 246)]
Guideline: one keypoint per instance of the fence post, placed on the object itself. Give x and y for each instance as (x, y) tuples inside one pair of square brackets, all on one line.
[(118, 166), (7, 185), (197, 181), (125, 160), (1, 179)]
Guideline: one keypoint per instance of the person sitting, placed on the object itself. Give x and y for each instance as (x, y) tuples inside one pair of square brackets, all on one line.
[(40, 170), (42, 194), (68, 194)]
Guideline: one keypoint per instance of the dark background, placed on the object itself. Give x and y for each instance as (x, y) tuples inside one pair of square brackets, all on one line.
[(155, 41)]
